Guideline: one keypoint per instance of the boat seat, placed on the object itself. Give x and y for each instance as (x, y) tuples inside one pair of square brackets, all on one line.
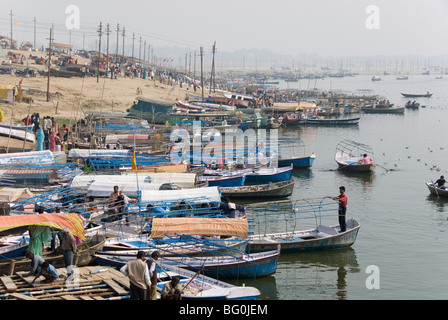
[(327, 230)]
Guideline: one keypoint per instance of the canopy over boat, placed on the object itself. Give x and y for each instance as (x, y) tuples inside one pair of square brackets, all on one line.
[(71, 221), (209, 194), (95, 153), (199, 226), (8, 195)]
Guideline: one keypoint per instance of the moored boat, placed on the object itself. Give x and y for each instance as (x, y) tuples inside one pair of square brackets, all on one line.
[(411, 95), (281, 189), (218, 266), (320, 238), (302, 162), (333, 122)]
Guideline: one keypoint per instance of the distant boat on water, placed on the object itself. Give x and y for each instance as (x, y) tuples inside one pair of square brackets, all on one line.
[(403, 78), (411, 95)]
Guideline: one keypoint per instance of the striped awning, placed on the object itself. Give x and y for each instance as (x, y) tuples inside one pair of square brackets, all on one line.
[(71, 221)]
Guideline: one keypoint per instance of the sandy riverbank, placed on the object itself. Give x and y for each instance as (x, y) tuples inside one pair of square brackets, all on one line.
[(68, 94)]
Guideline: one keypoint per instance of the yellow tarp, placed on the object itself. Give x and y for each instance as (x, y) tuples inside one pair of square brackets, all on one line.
[(71, 221), (199, 226)]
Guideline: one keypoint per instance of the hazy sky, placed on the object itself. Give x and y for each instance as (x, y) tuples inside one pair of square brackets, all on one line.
[(325, 27)]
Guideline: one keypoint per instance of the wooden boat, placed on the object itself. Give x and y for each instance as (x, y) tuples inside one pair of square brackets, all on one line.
[(437, 191), (349, 162), (347, 156), (266, 175), (297, 163), (223, 181), (281, 189), (410, 95), (13, 250), (292, 118), (403, 78), (84, 257), (413, 105), (152, 110), (218, 266), (333, 122), (201, 287), (18, 134), (320, 238), (384, 110), (376, 78)]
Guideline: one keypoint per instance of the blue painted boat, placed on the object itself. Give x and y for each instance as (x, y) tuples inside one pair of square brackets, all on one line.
[(223, 181), (152, 109), (321, 238), (297, 163), (266, 175), (13, 250), (200, 287), (253, 265)]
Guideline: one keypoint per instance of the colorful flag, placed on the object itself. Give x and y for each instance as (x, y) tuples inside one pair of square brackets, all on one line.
[(134, 163), (16, 22)]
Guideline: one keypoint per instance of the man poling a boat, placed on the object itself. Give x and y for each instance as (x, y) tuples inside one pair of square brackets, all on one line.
[(342, 198)]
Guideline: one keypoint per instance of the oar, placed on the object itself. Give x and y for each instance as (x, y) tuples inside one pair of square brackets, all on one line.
[(387, 170), (164, 271), (197, 273), (435, 188)]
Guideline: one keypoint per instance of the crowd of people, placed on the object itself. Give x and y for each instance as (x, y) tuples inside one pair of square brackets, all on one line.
[(49, 135)]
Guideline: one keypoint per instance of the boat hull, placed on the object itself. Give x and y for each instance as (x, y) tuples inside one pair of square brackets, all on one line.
[(280, 190), (292, 242), (297, 163)]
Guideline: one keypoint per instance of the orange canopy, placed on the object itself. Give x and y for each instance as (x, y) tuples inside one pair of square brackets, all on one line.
[(71, 221), (199, 226)]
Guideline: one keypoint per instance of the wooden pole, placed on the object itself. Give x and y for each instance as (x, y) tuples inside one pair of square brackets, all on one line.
[(49, 66)]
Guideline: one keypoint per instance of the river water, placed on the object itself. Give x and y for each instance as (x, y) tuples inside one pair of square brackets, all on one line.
[(404, 230)]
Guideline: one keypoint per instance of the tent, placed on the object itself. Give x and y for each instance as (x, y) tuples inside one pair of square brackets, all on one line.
[(7, 92), (8, 195)]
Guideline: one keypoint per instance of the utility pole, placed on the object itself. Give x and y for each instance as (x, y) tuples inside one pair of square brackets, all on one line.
[(10, 45), (107, 46), (100, 33), (49, 64), (149, 53), (123, 35), (133, 40), (34, 33), (140, 50), (118, 36), (202, 72), (212, 76), (144, 51)]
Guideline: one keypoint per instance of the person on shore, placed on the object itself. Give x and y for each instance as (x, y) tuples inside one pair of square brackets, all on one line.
[(230, 208), (138, 273), (171, 290), (440, 183), (48, 271), (69, 248), (365, 160), (342, 198), (151, 262), (36, 262)]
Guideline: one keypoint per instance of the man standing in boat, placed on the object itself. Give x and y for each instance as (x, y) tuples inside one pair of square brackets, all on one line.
[(342, 198)]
